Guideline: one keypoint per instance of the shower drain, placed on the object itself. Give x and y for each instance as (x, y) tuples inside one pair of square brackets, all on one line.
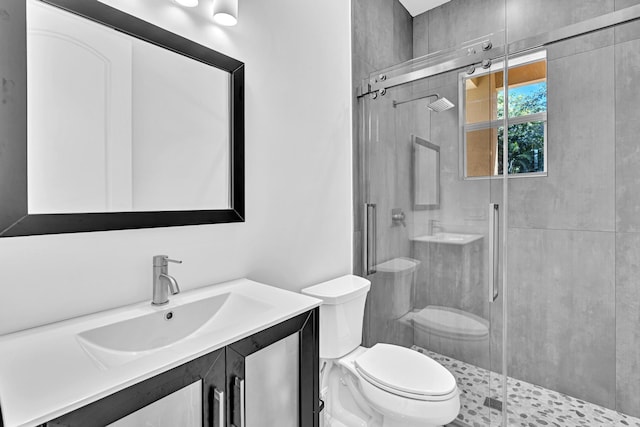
[(492, 403)]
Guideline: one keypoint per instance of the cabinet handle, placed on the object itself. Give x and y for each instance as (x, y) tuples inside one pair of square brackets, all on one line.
[(219, 396), (242, 408), (238, 386)]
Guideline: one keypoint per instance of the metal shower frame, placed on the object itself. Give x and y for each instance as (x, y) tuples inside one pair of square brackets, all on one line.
[(478, 52)]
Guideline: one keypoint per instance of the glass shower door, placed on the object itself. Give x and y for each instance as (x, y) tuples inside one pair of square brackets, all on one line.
[(431, 214), (573, 274)]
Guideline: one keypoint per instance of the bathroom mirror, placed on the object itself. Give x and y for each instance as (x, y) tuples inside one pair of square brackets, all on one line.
[(426, 174), (127, 125)]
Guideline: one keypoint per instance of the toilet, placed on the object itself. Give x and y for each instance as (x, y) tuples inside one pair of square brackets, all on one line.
[(382, 386)]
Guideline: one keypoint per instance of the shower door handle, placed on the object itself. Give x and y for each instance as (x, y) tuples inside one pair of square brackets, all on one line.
[(494, 234), (370, 249)]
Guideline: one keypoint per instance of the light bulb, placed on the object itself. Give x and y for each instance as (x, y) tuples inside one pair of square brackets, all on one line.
[(225, 12), (187, 3)]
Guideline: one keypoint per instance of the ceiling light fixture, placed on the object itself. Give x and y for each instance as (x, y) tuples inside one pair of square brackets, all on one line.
[(225, 12), (187, 3)]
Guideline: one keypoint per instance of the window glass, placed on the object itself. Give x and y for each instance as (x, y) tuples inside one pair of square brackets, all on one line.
[(483, 118), (526, 148)]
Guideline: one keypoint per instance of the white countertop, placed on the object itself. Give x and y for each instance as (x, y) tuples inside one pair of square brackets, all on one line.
[(45, 373)]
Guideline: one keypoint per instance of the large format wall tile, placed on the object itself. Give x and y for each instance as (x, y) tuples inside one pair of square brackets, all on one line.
[(381, 32), (622, 4), (451, 276), (390, 298), (627, 64), (421, 35), (526, 18), (578, 193), (581, 44), (459, 21), (628, 31), (402, 33), (562, 312), (628, 323)]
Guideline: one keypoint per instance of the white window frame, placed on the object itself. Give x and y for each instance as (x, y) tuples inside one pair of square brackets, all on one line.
[(464, 128)]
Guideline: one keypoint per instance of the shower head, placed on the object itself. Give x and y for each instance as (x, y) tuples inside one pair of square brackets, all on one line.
[(440, 104)]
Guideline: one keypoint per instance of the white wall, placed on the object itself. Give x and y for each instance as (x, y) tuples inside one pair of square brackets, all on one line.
[(298, 191)]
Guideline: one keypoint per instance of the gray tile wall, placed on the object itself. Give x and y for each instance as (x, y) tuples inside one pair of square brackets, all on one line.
[(562, 311), (574, 294), (562, 239), (577, 331), (381, 37), (627, 158)]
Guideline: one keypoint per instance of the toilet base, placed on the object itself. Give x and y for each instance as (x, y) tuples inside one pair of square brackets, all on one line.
[(343, 408)]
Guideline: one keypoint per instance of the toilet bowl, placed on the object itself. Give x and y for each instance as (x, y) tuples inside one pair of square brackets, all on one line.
[(382, 386), (406, 387)]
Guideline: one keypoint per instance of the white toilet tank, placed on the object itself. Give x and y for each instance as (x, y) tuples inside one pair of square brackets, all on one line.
[(341, 314)]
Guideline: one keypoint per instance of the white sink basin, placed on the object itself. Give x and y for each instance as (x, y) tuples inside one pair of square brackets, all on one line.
[(449, 238), (123, 341), (168, 325)]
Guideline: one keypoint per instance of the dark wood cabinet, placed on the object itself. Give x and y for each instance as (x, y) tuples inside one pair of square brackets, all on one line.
[(223, 375)]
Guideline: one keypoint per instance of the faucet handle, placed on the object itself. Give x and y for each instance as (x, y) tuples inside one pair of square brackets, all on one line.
[(162, 260)]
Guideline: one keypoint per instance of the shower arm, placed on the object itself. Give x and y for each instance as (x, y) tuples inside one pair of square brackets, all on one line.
[(396, 103)]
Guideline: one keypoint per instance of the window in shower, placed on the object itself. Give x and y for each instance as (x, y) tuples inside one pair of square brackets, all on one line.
[(482, 98)]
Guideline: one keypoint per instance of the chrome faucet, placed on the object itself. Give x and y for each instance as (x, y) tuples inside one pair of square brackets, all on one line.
[(162, 281)]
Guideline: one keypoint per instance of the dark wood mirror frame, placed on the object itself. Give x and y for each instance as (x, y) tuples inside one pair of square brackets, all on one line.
[(14, 217)]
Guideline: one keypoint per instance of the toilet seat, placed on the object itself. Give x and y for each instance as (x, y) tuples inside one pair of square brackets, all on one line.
[(406, 409), (407, 373)]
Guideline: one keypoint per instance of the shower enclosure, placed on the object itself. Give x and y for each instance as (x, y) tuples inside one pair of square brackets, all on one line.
[(498, 196)]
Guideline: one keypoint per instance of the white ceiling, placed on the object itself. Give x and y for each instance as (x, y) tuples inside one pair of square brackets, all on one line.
[(416, 7)]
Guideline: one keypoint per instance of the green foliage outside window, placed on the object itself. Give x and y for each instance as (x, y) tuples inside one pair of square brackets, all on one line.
[(526, 140)]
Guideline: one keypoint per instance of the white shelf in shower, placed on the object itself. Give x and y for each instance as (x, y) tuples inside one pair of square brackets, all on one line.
[(449, 238)]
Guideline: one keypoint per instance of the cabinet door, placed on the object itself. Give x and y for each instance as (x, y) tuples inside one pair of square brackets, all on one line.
[(272, 376), (135, 405), (180, 408)]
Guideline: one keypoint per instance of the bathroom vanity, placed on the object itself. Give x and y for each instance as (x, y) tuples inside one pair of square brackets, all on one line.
[(234, 354)]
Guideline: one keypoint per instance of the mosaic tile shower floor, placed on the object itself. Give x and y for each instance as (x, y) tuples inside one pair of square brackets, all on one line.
[(529, 405)]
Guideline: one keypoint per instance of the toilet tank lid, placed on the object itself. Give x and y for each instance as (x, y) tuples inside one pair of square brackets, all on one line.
[(339, 290)]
